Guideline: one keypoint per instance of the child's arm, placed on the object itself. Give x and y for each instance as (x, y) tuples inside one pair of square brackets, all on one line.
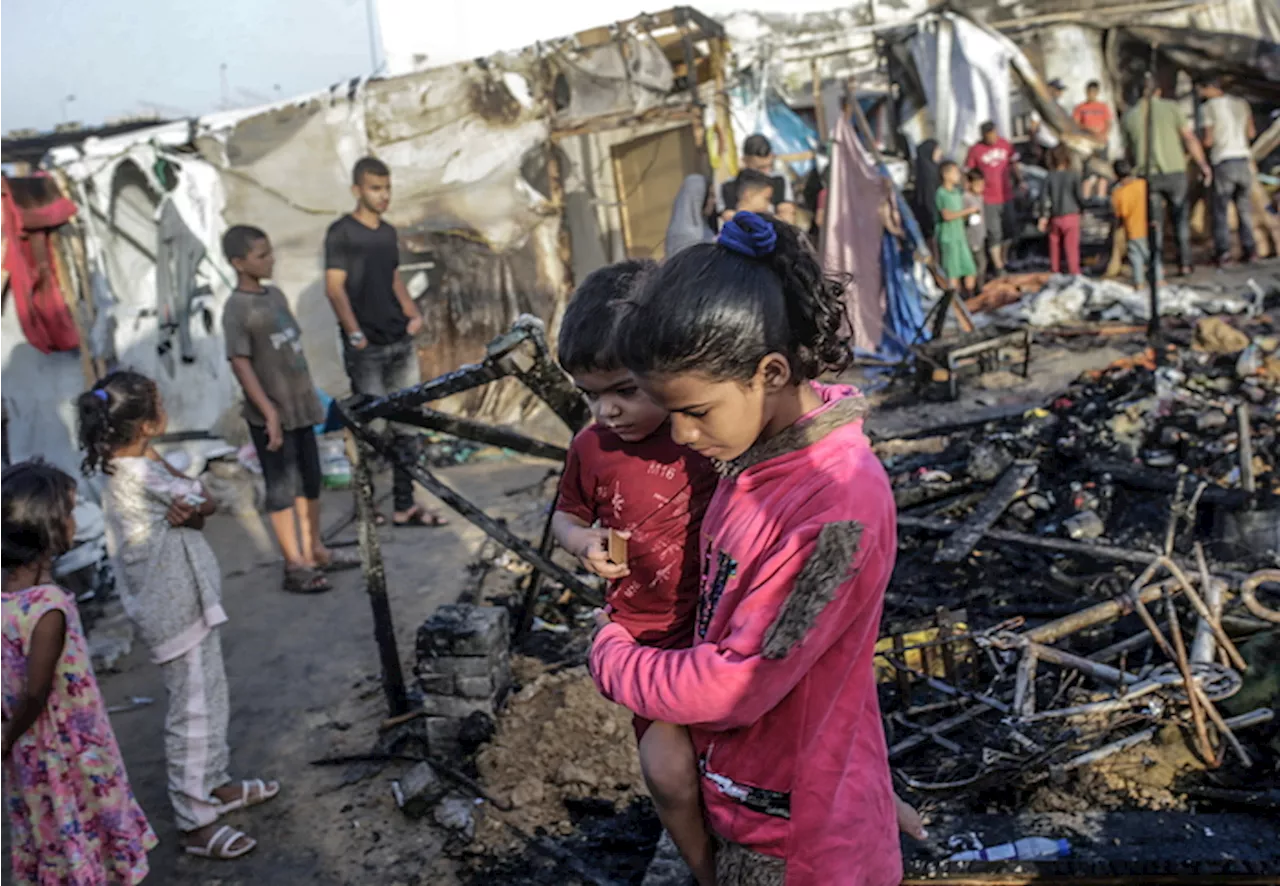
[(588, 544), (814, 588), (42, 663), (180, 512), (243, 368)]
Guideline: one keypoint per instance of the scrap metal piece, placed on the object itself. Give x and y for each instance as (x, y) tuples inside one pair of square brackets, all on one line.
[(1249, 594), (961, 542)]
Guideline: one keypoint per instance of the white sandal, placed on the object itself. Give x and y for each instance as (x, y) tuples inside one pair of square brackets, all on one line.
[(266, 791), (220, 845)]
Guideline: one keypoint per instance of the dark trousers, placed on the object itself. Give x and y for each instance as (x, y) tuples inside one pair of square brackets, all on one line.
[(379, 370), (1232, 183), (1171, 188)]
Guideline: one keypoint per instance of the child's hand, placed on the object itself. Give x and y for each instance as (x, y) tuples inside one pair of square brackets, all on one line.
[(909, 820), (275, 433), (1043, 225), (180, 512), (591, 547)]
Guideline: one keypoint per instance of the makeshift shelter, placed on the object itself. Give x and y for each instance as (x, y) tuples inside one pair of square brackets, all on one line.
[(514, 175)]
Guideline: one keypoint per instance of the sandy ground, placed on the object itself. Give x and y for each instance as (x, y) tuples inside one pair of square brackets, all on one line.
[(304, 684)]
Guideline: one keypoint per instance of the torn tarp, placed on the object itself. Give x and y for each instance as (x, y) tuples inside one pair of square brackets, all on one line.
[(1249, 66), (851, 236)]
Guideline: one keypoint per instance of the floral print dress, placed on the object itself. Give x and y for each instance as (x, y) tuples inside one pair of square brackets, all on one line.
[(74, 818)]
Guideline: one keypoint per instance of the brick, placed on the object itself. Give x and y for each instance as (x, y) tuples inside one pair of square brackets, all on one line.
[(419, 789), (475, 687), (457, 708)]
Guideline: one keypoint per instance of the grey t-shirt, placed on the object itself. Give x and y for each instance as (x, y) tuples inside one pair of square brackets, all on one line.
[(975, 228), (260, 326)]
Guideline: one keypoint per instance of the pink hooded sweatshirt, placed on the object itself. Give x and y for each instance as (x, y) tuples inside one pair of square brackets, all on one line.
[(779, 691)]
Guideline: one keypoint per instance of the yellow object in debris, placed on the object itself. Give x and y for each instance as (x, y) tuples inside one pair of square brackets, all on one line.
[(916, 658), (1038, 412)]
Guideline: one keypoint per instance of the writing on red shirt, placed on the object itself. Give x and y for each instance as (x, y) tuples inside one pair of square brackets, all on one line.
[(658, 491), (993, 161)]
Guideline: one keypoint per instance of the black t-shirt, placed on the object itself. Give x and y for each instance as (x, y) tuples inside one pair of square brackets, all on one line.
[(370, 258)]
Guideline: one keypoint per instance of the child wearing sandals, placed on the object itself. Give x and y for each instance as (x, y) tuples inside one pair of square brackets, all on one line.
[(797, 545), (171, 586), (264, 346), (73, 818)]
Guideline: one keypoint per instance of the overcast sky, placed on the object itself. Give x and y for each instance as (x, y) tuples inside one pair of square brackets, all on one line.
[(120, 57)]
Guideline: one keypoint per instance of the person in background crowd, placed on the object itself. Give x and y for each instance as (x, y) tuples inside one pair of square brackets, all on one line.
[(755, 192), (975, 229), (995, 159), (1129, 203), (1172, 139), (1228, 134), (690, 215), (757, 155), (378, 318), (1094, 117), (953, 246), (928, 180), (1060, 207), (1043, 138)]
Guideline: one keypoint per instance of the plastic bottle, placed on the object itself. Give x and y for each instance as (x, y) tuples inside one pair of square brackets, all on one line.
[(1026, 849)]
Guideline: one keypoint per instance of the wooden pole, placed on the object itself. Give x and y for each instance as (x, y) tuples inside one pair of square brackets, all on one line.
[(375, 580), (819, 110)]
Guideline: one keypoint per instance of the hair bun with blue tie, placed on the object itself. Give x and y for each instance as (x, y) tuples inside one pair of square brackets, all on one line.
[(750, 235)]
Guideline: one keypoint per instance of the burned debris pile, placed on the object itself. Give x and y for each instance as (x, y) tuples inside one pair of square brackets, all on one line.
[(1079, 617)]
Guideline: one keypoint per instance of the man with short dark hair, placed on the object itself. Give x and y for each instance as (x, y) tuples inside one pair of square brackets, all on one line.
[(994, 157), (378, 317), (757, 155), (1228, 133)]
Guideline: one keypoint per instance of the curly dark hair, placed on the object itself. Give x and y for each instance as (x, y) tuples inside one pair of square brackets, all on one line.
[(712, 310), (112, 414), (38, 500)]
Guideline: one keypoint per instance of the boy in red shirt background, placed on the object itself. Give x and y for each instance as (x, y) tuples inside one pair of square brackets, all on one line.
[(625, 473)]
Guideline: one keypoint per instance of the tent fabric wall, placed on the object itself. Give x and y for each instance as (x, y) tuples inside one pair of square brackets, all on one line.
[(851, 237)]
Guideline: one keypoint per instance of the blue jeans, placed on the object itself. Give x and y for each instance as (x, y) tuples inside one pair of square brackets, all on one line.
[(379, 370), (1139, 254), (1232, 183)]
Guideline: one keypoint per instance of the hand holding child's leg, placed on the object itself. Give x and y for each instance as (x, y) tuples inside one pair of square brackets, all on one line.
[(671, 772), (909, 820)]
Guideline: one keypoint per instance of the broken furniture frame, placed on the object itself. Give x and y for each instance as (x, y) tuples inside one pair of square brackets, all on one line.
[(984, 349), (521, 354)]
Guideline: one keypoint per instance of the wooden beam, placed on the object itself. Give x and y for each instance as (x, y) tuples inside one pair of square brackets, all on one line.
[(961, 542)]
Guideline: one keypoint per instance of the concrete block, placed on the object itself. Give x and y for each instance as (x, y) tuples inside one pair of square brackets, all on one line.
[(457, 708), (463, 629), (437, 684), (475, 687), (418, 790), (462, 666), (442, 735)]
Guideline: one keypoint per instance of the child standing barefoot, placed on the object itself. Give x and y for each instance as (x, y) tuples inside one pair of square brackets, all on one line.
[(797, 546), (74, 819), (171, 587)]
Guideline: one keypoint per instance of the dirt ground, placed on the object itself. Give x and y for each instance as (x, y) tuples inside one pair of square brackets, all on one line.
[(303, 675)]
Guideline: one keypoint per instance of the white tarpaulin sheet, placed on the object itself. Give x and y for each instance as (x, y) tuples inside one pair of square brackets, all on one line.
[(965, 73)]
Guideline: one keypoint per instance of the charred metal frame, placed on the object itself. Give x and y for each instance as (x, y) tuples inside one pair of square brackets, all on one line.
[(521, 354)]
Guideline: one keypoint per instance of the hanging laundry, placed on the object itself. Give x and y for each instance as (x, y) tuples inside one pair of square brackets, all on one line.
[(28, 258), (178, 255)]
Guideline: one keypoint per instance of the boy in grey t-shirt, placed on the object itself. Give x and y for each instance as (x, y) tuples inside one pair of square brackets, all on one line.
[(976, 230), (264, 346)]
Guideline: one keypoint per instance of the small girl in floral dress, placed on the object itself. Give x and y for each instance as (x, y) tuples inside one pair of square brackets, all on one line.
[(74, 819)]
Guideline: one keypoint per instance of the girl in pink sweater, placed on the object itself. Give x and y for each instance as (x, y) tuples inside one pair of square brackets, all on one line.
[(796, 548)]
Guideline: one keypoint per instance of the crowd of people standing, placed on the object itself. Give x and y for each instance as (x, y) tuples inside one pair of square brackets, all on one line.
[(967, 233)]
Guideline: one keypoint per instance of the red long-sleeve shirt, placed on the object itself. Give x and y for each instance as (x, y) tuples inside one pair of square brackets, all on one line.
[(779, 690)]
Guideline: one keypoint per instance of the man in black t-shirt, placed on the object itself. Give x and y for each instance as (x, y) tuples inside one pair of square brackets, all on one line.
[(378, 317)]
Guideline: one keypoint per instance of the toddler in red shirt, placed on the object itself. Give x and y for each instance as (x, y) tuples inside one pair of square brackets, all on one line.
[(624, 473)]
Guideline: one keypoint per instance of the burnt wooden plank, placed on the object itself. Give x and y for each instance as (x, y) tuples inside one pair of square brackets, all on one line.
[(961, 542)]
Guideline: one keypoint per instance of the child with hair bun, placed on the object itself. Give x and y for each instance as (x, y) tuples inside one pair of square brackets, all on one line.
[(797, 547)]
